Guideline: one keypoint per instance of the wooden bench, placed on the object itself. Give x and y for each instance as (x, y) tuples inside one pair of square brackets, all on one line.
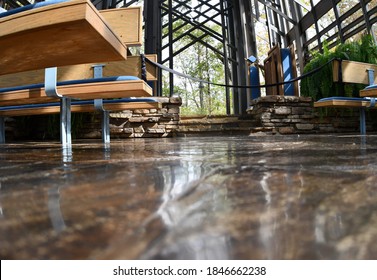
[(64, 33), (352, 72), (84, 36), (82, 106)]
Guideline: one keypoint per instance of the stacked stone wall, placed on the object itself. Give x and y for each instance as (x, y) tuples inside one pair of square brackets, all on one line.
[(269, 114), (296, 115), (139, 123), (162, 122), (283, 114)]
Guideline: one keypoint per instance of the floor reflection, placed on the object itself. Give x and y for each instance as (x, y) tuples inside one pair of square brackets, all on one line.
[(311, 197), (188, 202)]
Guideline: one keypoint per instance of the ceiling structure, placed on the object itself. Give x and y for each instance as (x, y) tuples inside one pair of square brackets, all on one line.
[(240, 27)]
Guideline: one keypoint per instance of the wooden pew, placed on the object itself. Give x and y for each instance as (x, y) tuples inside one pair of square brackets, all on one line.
[(60, 34), (352, 72), (129, 67), (81, 91), (79, 107), (64, 34)]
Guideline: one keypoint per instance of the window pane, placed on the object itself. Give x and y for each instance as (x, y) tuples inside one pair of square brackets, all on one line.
[(345, 5), (326, 20)]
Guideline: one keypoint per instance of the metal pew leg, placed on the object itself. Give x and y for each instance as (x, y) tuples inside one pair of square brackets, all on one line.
[(106, 127), (98, 104), (370, 76), (65, 106), (363, 130), (2, 130), (65, 122)]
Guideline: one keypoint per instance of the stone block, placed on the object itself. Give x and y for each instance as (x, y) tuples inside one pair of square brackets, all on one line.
[(175, 100), (128, 130), (283, 110), (304, 126), (136, 119), (265, 116), (163, 99), (153, 119), (116, 129), (268, 124), (173, 109), (121, 115), (299, 110), (326, 128), (139, 129), (286, 130), (281, 120), (155, 130), (163, 110), (141, 111), (153, 115), (138, 135), (171, 127)]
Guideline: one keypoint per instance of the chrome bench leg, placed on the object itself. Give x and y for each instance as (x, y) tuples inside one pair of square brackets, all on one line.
[(2, 130), (106, 127), (98, 104), (65, 106), (65, 122), (363, 130)]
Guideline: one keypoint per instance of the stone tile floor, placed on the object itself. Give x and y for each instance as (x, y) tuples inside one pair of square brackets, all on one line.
[(258, 197)]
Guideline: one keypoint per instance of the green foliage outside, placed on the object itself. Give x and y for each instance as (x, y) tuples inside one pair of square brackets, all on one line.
[(321, 85), (201, 62)]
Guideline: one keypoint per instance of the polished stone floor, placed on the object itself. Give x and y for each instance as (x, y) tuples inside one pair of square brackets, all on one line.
[(258, 197)]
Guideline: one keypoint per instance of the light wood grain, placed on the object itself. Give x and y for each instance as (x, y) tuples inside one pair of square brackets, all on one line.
[(57, 35), (342, 103), (353, 72), (117, 89), (126, 23), (121, 106), (369, 92), (129, 67)]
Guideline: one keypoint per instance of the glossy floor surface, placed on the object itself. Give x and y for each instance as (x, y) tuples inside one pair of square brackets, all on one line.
[(297, 197)]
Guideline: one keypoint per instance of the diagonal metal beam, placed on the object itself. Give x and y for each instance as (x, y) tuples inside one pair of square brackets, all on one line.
[(189, 21), (201, 26), (270, 6)]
